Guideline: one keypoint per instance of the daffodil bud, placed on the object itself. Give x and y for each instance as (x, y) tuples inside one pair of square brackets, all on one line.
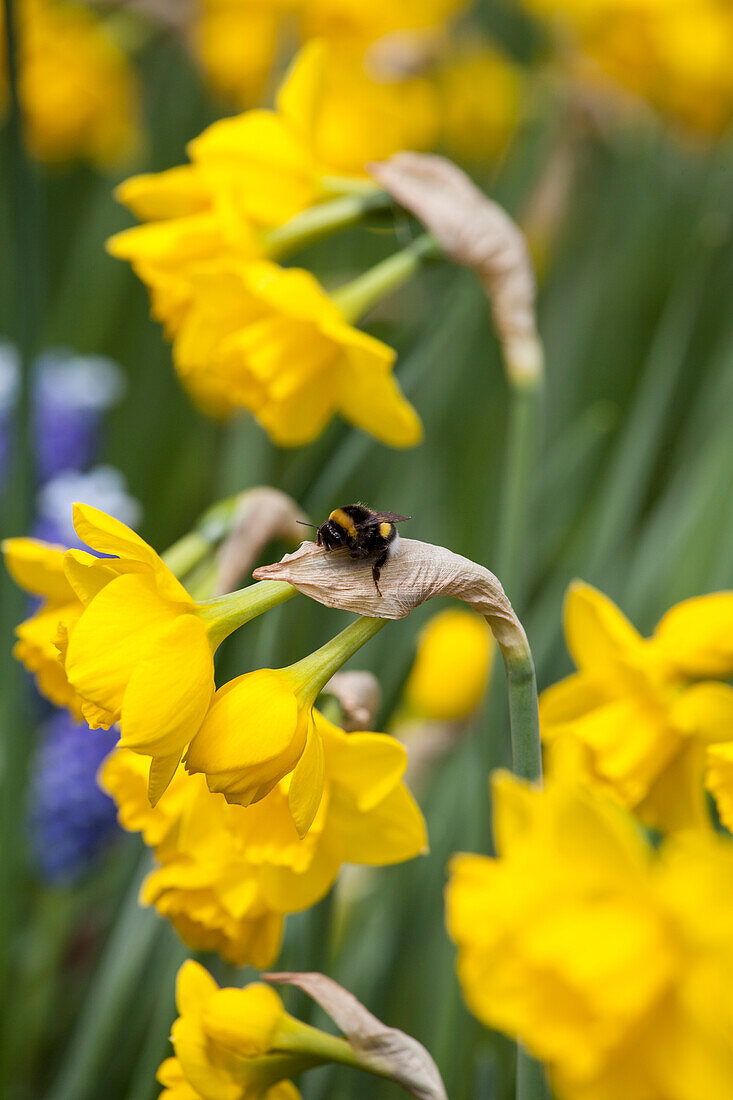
[(475, 232)]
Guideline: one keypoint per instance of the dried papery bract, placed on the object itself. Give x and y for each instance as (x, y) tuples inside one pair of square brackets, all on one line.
[(477, 233), (379, 1049), (262, 515), (359, 696), (420, 571)]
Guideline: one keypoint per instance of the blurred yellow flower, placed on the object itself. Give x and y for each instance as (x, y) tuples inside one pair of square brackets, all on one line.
[(271, 340), (612, 963), (228, 875), (237, 43), (451, 670), (675, 53), (480, 93), (78, 93), (260, 727), (353, 19), (225, 1042), (369, 108), (38, 568), (141, 651), (639, 713)]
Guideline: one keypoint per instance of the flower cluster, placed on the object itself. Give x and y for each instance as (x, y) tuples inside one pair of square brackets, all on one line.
[(676, 55), (642, 717), (227, 875), (78, 93), (611, 961)]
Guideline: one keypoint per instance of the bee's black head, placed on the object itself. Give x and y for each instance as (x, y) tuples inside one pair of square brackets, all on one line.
[(331, 535)]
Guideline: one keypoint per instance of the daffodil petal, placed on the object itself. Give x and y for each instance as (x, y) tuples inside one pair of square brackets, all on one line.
[(194, 988), (114, 632), (696, 636), (595, 629), (37, 567), (170, 691), (306, 785), (392, 831)]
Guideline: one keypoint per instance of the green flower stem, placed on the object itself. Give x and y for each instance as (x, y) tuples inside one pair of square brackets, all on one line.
[(210, 529), (523, 712), (225, 614), (183, 556), (320, 221), (524, 400), (358, 296), (315, 670), (309, 1041), (531, 1083)]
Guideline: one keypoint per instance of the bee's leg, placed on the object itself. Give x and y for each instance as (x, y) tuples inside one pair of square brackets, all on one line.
[(377, 569)]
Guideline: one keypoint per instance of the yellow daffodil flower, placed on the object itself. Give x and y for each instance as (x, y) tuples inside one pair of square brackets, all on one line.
[(38, 568), (639, 713), (451, 670), (353, 20), (611, 962), (139, 650), (676, 55), (237, 44), (270, 339), (480, 93), (78, 94), (225, 1042), (228, 874)]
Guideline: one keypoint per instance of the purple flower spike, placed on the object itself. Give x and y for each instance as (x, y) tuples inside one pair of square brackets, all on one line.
[(71, 819)]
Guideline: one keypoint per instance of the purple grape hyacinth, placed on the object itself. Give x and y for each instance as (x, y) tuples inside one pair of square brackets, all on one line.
[(71, 819)]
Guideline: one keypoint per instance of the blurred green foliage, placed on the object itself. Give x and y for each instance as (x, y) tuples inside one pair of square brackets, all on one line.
[(631, 493)]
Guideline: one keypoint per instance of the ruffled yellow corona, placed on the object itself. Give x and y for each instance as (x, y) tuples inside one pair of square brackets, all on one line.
[(228, 875)]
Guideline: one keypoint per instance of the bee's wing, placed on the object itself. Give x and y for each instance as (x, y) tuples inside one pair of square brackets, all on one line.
[(386, 517)]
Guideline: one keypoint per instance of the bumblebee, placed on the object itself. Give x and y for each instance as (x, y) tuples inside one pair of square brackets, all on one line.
[(365, 533)]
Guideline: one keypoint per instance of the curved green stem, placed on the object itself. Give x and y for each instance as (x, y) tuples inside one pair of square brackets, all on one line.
[(358, 296), (521, 441)]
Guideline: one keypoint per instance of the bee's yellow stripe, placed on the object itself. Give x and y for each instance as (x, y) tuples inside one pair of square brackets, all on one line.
[(344, 520), (385, 529)]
